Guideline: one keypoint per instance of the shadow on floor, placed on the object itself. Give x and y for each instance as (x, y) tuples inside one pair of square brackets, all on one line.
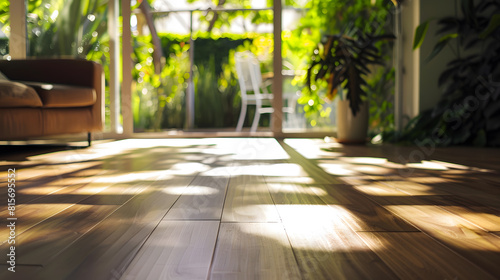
[(23, 152)]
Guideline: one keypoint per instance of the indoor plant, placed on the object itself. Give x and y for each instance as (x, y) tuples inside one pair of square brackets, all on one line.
[(342, 63), (468, 112)]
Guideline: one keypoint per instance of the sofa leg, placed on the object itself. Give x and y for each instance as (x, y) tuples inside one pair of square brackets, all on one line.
[(89, 138)]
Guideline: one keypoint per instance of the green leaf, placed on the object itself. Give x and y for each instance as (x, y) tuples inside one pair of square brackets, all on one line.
[(420, 35), (439, 47), (448, 37), (492, 26)]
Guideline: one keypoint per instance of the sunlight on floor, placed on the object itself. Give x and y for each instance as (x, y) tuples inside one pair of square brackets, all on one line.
[(245, 149), (310, 148), (295, 188), (427, 165), (487, 221), (264, 213), (451, 165), (365, 160), (376, 190), (371, 169), (272, 170), (310, 226), (115, 189), (187, 168), (191, 190), (56, 189), (411, 188), (133, 177), (40, 190), (338, 169), (452, 228), (315, 214), (430, 180)]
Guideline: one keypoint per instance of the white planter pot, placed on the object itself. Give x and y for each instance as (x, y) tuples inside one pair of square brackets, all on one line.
[(351, 129)]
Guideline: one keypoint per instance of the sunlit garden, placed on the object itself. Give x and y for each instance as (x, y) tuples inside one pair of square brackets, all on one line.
[(162, 61)]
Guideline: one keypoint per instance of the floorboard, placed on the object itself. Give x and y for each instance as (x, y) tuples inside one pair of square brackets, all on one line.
[(22, 272), (485, 218), (114, 241), (248, 200), (458, 234), (361, 213), (203, 199), (416, 256), (485, 198), (43, 206), (39, 185), (254, 208), (176, 250), (253, 251), (470, 241), (324, 245), (326, 248), (72, 223)]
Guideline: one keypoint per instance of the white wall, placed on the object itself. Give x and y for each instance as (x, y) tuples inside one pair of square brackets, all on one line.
[(420, 77), (430, 70)]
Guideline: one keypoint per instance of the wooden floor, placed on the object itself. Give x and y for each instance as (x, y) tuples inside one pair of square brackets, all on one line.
[(252, 208)]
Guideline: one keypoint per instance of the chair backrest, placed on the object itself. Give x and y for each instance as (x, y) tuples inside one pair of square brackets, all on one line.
[(248, 70)]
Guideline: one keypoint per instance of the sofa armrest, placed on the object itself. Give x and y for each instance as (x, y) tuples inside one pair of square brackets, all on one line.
[(77, 72)]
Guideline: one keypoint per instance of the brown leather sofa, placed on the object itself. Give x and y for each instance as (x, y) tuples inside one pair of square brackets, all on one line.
[(44, 97)]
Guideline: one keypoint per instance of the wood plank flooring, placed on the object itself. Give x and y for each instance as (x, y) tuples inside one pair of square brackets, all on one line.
[(252, 208), (176, 250), (253, 251)]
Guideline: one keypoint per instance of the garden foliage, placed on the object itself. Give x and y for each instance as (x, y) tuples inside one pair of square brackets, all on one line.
[(469, 110), (77, 28)]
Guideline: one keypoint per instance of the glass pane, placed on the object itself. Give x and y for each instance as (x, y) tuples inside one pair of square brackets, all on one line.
[(305, 24), (160, 95), (294, 50)]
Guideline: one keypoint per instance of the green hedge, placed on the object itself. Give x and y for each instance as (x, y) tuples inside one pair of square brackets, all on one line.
[(217, 100), (206, 46)]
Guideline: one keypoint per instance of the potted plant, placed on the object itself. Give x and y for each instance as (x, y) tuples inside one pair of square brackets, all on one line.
[(468, 112), (342, 62)]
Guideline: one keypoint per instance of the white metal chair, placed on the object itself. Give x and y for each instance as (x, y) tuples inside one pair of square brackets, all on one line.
[(250, 80)]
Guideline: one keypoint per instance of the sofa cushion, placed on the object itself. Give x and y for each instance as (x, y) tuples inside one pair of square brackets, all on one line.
[(57, 96), (14, 94)]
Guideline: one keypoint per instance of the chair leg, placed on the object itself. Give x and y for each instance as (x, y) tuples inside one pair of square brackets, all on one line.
[(89, 138), (256, 119), (241, 119)]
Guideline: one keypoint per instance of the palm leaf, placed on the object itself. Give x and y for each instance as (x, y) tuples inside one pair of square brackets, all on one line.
[(420, 35), (492, 26)]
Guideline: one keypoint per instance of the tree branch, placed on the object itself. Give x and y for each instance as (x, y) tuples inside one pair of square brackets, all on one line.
[(157, 50), (216, 16)]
